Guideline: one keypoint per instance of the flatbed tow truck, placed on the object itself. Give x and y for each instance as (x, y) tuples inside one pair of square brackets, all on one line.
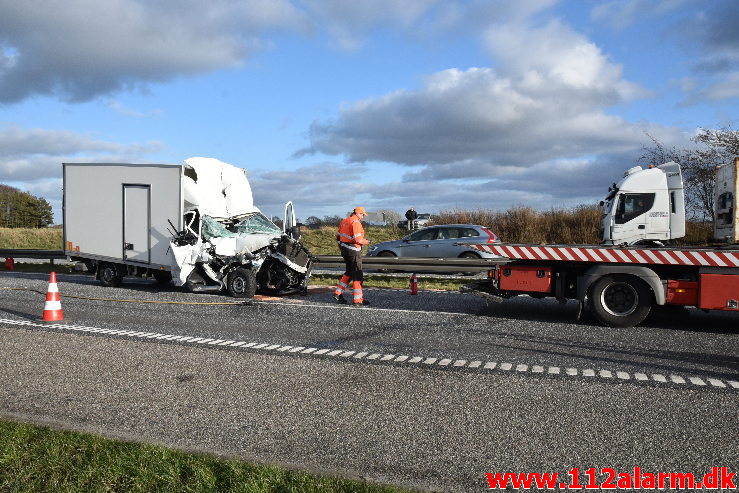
[(620, 285)]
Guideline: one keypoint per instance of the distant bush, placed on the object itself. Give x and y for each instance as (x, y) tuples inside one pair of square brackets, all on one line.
[(579, 225), (697, 233)]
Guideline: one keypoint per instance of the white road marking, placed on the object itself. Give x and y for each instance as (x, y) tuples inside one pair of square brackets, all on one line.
[(346, 353)]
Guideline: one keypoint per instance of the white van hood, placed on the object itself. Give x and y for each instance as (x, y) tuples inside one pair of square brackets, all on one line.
[(218, 189)]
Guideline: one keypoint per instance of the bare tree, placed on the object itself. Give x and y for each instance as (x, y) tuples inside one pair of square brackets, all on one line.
[(712, 148), (391, 217)]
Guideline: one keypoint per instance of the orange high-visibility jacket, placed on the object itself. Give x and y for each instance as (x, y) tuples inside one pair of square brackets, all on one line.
[(351, 234)]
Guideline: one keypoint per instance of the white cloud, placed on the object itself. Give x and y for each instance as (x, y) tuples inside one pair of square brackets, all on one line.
[(536, 126), (79, 49), (546, 100), (31, 159), (306, 186), (349, 22)]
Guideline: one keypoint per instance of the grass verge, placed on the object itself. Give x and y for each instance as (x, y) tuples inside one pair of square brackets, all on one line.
[(39, 459), (37, 239), (385, 281)]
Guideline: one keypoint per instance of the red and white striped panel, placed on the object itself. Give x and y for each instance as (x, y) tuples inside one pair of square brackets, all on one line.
[(708, 258)]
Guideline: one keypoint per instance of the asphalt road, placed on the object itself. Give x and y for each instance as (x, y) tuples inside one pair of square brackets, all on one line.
[(429, 391)]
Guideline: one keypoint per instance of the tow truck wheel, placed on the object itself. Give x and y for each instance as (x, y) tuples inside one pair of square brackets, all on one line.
[(620, 301), (108, 275), (242, 283)]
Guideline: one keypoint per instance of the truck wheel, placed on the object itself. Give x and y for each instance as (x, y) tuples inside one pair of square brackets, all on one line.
[(91, 265), (162, 277), (620, 301), (242, 283), (108, 275)]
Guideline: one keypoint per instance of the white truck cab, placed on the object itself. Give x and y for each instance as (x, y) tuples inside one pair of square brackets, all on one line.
[(646, 206)]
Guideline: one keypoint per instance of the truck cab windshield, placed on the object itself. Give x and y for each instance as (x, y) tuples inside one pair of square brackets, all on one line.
[(633, 205)]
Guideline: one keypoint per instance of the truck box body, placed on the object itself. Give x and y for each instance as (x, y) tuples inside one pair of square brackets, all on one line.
[(194, 224), (120, 212), (726, 225)]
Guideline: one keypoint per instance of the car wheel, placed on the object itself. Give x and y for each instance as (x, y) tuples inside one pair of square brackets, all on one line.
[(620, 301), (108, 275), (469, 255), (385, 254), (242, 283)]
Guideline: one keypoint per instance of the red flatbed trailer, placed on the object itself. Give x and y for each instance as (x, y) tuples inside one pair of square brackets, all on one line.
[(620, 284)]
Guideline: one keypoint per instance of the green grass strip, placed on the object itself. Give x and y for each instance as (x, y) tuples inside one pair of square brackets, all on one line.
[(39, 459), (402, 282)]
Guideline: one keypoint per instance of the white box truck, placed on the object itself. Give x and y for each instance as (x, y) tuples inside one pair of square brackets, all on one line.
[(195, 224)]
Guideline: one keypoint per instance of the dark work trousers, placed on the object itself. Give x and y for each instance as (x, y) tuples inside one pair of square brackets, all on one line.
[(353, 261)]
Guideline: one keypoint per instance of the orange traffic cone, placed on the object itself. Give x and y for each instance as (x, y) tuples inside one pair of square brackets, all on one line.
[(53, 305)]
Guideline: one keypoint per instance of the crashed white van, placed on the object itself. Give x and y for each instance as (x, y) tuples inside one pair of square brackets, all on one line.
[(195, 224)]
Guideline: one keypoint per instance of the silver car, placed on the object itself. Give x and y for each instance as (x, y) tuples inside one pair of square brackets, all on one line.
[(445, 240)]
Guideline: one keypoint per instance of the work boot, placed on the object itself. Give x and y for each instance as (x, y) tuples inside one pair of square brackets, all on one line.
[(362, 303), (340, 299)]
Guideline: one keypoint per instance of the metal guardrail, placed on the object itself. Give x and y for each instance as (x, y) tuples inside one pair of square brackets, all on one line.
[(401, 264), (416, 264), (31, 253)]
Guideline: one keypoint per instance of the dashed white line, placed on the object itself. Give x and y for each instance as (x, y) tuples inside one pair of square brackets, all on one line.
[(696, 381)]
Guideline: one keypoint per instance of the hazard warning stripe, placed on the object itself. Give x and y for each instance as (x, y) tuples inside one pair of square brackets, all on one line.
[(698, 258)]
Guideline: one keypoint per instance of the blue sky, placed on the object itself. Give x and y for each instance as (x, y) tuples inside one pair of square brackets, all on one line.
[(436, 104)]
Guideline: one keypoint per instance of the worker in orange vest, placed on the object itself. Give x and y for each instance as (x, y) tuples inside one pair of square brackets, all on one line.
[(350, 239)]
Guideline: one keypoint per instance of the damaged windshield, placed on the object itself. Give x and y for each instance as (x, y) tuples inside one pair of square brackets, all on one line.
[(257, 224), (214, 229), (254, 224)]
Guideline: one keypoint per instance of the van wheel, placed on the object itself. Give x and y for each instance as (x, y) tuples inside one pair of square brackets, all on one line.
[(242, 283), (108, 275), (620, 301)]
